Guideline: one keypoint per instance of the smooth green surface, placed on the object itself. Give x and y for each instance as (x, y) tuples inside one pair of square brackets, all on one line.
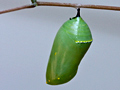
[(66, 54)]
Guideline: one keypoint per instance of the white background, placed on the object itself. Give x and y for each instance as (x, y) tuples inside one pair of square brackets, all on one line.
[(26, 38)]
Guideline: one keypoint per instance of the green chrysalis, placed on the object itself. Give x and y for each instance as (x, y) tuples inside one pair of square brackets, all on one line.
[(70, 45)]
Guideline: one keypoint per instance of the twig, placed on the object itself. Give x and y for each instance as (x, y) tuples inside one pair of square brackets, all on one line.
[(17, 8), (78, 5), (63, 5)]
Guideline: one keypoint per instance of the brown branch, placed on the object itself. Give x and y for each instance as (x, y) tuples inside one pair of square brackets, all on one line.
[(63, 5), (78, 5), (17, 8)]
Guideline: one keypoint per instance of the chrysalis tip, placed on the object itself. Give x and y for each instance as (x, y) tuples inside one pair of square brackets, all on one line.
[(78, 12)]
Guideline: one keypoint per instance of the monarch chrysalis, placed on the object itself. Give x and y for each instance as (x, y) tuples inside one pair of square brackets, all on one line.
[(70, 45)]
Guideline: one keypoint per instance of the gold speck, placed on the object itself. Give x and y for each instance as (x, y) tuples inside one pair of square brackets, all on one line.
[(58, 78), (46, 82), (55, 53), (84, 41)]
